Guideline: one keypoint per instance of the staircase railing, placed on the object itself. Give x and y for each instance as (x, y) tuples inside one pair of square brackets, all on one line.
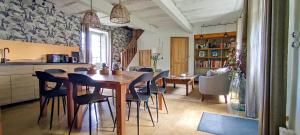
[(128, 54)]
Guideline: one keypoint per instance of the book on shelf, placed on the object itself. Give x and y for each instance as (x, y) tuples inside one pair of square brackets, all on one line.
[(209, 64)]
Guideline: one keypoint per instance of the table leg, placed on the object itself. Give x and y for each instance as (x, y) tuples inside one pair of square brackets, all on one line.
[(160, 101), (187, 89), (71, 106), (193, 84), (120, 108), (174, 85)]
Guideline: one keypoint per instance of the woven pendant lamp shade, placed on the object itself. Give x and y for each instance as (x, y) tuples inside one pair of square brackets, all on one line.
[(91, 19), (119, 14)]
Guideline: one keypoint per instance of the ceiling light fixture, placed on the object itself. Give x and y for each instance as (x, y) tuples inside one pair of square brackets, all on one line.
[(225, 34), (119, 14), (90, 18)]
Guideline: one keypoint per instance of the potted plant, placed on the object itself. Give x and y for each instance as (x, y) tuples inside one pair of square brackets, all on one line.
[(116, 70), (92, 69), (104, 70), (156, 57)]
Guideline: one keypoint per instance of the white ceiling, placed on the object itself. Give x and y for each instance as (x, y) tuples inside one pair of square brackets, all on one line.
[(196, 12)]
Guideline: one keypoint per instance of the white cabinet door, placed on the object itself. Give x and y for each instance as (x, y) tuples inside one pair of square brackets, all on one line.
[(5, 90), (22, 87)]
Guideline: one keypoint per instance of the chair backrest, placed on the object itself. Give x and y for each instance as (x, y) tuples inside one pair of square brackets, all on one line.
[(145, 69), (53, 71), (162, 75), (47, 77), (80, 69), (146, 77), (83, 80)]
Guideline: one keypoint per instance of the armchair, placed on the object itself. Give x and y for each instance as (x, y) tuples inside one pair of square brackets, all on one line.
[(214, 85)]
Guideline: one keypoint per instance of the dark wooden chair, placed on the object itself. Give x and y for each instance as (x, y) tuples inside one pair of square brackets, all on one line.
[(87, 99), (50, 93), (141, 96), (156, 89)]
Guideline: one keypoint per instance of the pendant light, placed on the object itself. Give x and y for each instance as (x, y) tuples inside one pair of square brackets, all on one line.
[(119, 14), (225, 34), (201, 32), (90, 18)]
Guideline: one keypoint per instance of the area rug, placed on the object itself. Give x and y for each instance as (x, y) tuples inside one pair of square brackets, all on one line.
[(227, 125)]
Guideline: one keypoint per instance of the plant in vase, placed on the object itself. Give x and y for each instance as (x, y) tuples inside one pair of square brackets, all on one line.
[(237, 85), (116, 69), (104, 70), (156, 57)]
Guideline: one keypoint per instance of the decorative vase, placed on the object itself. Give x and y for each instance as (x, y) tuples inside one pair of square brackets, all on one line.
[(104, 71), (116, 72), (237, 92)]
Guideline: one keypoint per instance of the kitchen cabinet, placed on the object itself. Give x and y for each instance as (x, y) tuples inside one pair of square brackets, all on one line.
[(5, 90), (22, 87), (17, 83)]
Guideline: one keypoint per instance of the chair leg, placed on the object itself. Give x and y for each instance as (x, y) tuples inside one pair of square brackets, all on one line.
[(225, 99), (129, 107), (163, 97), (138, 117), (156, 107), (147, 105), (95, 108), (51, 118), (42, 109), (90, 118), (58, 102), (202, 97), (152, 99), (74, 118), (111, 113), (64, 104)]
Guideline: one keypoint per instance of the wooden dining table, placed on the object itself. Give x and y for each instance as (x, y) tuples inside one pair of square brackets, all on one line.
[(117, 82)]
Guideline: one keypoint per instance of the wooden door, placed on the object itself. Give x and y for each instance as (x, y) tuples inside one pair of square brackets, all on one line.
[(179, 55), (145, 58)]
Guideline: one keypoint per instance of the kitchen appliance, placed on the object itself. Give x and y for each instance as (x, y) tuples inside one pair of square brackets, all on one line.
[(57, 58), (73, 60), (76, 55)]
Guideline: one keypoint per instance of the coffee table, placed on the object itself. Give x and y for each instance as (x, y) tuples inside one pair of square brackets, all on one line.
[(187, 80)]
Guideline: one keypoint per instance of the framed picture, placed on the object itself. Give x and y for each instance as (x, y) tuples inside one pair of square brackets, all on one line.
[(214, 53), (202, 53)]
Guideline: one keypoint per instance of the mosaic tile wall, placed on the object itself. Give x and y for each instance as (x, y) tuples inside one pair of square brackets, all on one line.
[(20, 21), (42, 24)]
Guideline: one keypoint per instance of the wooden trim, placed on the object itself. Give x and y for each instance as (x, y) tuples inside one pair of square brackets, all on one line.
[(214, 35)]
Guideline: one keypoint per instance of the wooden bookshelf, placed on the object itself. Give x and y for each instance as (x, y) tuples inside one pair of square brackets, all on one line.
[(212, 50)]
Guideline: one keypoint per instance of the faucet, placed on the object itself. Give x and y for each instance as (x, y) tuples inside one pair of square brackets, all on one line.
[(4, 60)]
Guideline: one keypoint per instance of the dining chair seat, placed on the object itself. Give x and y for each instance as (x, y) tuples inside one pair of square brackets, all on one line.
[(55, 93), (143, 97), (89, 98)]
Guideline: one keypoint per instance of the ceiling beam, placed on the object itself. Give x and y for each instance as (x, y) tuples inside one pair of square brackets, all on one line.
[(169, 7), (105, 7)]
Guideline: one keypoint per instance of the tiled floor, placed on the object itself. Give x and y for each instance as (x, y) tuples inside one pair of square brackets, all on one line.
[(183, 118)]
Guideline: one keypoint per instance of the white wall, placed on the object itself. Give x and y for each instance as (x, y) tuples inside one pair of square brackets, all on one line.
[(150, 40)]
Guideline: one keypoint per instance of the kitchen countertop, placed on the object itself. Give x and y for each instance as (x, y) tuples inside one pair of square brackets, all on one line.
[(36, 63)]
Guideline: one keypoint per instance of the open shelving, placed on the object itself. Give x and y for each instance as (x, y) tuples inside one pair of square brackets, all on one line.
[(213, 50)]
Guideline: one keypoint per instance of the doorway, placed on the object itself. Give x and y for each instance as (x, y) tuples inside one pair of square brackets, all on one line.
[(179, 55)]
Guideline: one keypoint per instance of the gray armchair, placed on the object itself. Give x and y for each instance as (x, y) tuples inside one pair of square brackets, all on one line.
[(214, 85)]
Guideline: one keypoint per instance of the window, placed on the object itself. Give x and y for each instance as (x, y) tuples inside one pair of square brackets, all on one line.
[(100, 47)]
